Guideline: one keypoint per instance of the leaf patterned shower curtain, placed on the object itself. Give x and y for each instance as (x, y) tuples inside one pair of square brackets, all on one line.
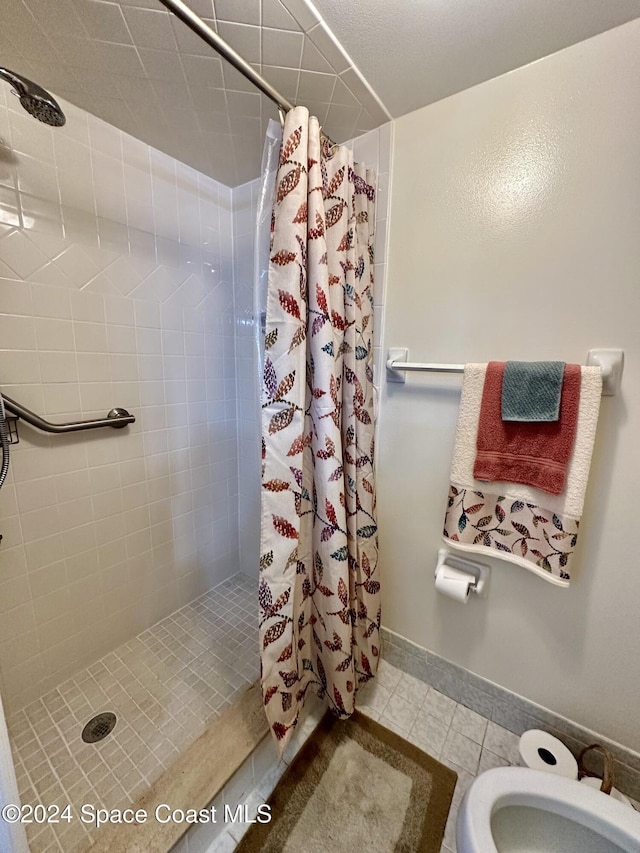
[(319, 580)]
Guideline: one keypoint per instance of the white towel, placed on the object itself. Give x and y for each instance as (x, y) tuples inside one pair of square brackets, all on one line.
[(520, 524)]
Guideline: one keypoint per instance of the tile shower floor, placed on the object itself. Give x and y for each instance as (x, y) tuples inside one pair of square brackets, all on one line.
[(164, 686)]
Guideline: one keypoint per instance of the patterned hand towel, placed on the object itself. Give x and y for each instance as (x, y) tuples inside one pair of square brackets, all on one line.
[(517, 522), (534, 453), (531, 390)]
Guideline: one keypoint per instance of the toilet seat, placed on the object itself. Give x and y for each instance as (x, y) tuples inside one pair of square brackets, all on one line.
[(521, 786)]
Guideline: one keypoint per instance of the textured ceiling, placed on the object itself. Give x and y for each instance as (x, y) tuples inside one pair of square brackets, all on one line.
[(133, 64), (415, 52)]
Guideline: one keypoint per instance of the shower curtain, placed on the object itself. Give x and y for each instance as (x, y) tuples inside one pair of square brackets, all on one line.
[(319, 588)]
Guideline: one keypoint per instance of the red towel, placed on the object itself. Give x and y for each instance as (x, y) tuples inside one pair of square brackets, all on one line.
[(518, 452)]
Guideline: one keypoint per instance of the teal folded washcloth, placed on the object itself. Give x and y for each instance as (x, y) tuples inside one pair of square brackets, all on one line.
[(531, 390)]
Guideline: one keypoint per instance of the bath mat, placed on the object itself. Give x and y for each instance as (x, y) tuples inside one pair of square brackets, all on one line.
[(356, 786)]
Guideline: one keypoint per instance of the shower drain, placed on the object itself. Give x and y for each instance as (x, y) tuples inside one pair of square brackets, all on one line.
[(98, 727)]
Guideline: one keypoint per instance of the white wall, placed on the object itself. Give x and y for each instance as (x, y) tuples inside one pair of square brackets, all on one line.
[(515, 235), (116, 271)]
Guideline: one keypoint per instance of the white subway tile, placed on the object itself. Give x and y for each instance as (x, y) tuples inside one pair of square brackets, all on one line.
[(20, 367), (54, 334), (14, 592), (17, 332), (75, 512), (40, 523), (43, 552), (94, 311), (87, 306), (36, 494), (93, 367), (73, 485), (16, 296), (61, 398), (89, 337), (77, 265), (119, 311), (58, 366), (79, 539)]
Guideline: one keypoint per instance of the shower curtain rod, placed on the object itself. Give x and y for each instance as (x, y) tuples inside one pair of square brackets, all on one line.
[(187, 16)]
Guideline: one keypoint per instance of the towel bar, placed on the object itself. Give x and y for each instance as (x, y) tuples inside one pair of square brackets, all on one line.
[(610, 362)]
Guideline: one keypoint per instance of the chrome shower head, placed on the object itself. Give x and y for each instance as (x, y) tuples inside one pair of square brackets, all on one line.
[(34, 99)]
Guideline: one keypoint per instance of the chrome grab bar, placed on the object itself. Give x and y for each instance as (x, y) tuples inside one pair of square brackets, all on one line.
[(116, 418)]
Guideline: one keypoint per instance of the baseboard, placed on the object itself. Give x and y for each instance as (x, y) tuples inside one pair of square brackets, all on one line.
[(506, 709)]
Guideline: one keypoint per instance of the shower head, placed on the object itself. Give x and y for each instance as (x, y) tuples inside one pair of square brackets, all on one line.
[(35, 100)]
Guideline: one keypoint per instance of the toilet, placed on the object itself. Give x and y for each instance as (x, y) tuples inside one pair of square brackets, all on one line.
[(511, 809)]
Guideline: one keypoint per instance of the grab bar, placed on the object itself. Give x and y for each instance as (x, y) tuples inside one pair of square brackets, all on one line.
[(116, 418)]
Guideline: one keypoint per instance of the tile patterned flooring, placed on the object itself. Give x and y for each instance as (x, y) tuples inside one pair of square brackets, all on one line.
[(446, 730), (165, 686)]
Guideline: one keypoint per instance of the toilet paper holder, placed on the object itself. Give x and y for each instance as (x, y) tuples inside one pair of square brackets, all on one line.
[(480, 571)]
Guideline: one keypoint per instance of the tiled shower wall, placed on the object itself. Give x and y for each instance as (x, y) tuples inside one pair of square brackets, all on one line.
[(116, 276), (245, 201)]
